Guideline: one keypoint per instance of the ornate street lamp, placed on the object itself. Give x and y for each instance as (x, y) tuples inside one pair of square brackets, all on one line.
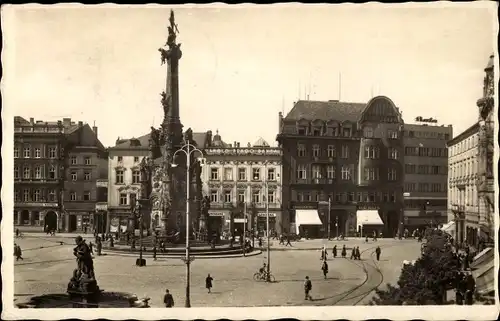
[(187, 149)]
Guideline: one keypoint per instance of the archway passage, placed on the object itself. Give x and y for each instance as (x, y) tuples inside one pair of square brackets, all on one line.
[(25, 217), (50, 221)]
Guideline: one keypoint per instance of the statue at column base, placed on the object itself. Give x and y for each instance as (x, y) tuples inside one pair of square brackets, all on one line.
[(83, 283)]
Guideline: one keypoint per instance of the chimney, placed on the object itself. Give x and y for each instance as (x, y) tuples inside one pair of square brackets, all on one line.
[(238, 144), (80, 124), (235, 144), (94, 128), (249, 145), (66, 122), (32, 120)]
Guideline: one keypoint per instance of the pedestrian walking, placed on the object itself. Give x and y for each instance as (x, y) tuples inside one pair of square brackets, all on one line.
[(168, 299), (324, 268), (334, 251), (374, 235), (470, 287), (18, 252), (307, 288), (288, 241), (344, 251), (353, 253), (17, 232), (154, 252), (208, 282), (366, 239), (99, 247), (378, 251), (91, 248), (358, 253)]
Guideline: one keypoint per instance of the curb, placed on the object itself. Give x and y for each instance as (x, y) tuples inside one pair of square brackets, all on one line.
[(150, 256)]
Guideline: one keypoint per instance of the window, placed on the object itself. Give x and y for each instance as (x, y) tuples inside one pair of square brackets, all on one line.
[(301, 131), (372, 152), (16, 198), (16, 172), (16, 152), (346, 132), (391, 174), (351, 197), (228, 174), (26, 195), (346, 173), (371, 174), (316, 171), (301, 172), (271, 175), (241, 196), (36, 195), (214, 196), (86, 176), (242, 174), (256, 174), (88, 160), (52, 195), (72, 196), (368, 132), (38, 152), (410, 187), (86, 196), (316, 152), (393, 197), (411, 151), (52, 172), (227, 196), (436, 187), (123, 199), (316, 131), (301, 150), (120, 159), (392, 134), (256, 196), (136, 159), (27, 152), (73, 160), (307, 197), (26, 173), (435, 170), (338, 198), (410, 168), (38, 171), (52, 152), (330, 172), (119, 176), (393, 153), (136, 177), (74, 177), (331, 151), (270, 197), (345, 151), (214, 174), (300, 197)]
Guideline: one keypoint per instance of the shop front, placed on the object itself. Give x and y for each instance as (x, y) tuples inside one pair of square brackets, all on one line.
[(261, 223), (216, 222), (308, 223)]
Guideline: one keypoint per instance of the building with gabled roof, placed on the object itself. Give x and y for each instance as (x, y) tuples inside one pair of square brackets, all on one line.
[(342, 167)]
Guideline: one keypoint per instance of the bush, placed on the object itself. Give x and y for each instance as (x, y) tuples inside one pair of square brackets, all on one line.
[(426, 281)]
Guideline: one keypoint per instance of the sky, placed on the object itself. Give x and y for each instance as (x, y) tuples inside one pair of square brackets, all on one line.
[(241, 66)]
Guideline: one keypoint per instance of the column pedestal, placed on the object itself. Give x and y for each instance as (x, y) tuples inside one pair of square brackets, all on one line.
[(66, 222), (19, 218), (31, 219)]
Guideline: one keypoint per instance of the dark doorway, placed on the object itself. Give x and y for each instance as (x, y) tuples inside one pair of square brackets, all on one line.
[(51, 221), (16, 218), (72, 223), (392, 223), (25, 217)]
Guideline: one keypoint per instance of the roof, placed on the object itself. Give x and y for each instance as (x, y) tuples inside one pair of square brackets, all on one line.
[(261, 143), (326, 110), (200, 139), (18, 120), (71, 129), (463, 135), (143, 141)]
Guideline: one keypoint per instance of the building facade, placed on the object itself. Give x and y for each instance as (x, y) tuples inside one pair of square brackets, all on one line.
[(426, 173), (86, 161), (347, 157), (38, 173), (463, 169), (242, 180)]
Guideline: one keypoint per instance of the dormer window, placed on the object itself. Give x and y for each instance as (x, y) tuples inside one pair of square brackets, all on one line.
[(301, 131), (316, 131), (368, 132), (346, 132)]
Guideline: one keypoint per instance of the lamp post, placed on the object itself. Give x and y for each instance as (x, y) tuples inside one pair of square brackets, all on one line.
[(266, 185), (187, 149), (329, 213), (244, 227), (337, 225)]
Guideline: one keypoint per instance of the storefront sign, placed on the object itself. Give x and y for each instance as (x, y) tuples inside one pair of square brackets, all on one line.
[(216, 214), (425, 120), (265, 214), (368, 207), (101, 207), (54, 204)]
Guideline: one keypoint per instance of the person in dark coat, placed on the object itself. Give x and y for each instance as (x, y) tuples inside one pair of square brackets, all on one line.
[(288, 241), (154, 252), (378, 251), (91, 248), (208, 283), (358, 254), (168, 299), (324, 268), (353, 253), (334, 251), (344, 251), (18, 252), (307, 288), (470, 287)]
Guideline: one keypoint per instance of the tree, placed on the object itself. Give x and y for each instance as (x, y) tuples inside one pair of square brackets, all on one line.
[(427, 280)]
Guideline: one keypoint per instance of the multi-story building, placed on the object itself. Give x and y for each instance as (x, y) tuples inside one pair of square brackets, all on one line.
[(86, 161), (426, 173), (462, 177), (243, 178), (38, 172), (50, 189), (347, 155), (124, 181)]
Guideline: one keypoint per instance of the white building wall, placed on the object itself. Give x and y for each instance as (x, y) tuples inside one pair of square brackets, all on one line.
[(128, 165)]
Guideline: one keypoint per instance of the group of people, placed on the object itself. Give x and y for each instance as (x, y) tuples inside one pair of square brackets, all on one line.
[(355, 253)]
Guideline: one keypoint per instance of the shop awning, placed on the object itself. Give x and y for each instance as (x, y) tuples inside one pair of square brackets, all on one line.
[(449, 227), (368, 217), (485, 277), (306, 217)]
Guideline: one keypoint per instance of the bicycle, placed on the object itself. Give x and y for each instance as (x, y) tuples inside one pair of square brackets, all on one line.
[(258, 276)]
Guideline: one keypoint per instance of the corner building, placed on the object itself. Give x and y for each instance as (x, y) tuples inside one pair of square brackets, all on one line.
[(344, 156)]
